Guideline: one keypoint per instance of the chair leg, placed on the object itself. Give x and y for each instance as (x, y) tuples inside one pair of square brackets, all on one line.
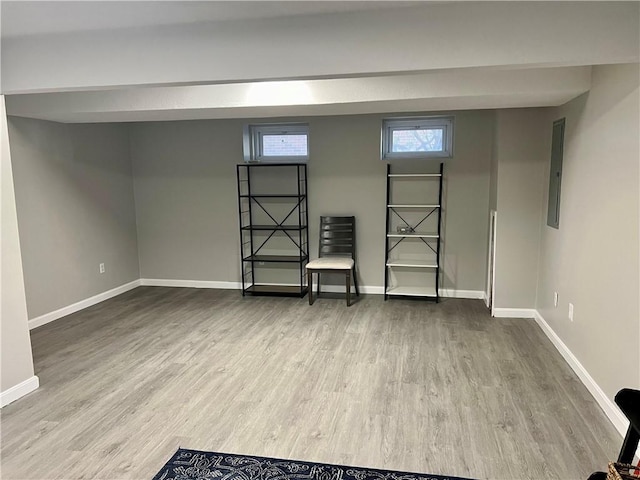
[(348, 282), (355, 281), (310, 283), (629, 446), (597, 476)]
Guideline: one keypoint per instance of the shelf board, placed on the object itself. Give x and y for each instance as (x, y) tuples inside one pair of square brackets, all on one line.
[(410, 235), (412, 291), (413, 175), (276, 258), (412, 206), (287, 290), (274, 227), (412, 263)]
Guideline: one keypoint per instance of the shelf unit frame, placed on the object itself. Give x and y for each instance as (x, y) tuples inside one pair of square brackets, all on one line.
[(392, 239), (297, 233)]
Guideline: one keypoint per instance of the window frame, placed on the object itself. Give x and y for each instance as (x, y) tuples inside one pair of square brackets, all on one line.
[(254, 147), (390, 125)]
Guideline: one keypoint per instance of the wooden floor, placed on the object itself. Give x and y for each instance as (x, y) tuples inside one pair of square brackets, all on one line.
[(406, 385)]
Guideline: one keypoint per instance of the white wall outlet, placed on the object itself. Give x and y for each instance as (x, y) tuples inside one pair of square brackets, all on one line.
[(102, 268), (571, 312), (555, 299)]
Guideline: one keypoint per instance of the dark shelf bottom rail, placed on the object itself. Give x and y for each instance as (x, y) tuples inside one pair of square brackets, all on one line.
[(276, 258), (279, 290)]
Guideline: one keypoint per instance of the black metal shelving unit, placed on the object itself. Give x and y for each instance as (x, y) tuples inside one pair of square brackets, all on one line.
[(273, 227), (409, 218)]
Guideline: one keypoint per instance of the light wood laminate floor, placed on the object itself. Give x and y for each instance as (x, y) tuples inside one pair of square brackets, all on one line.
[(402, 384)]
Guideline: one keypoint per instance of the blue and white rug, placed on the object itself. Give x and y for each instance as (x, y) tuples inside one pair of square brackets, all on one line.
[(197, 465)]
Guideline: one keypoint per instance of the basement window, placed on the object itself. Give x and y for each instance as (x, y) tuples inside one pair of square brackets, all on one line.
[(417, 137), (276, 143)]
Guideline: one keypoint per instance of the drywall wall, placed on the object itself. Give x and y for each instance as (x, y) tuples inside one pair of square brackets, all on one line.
[(15, 344), (74, 196), (493, 178), (521, 150), (341, 44), (466, 203), (592, 259), (185, 195)]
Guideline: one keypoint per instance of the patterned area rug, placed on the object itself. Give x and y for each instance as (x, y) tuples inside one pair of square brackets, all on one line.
[(196, 465)]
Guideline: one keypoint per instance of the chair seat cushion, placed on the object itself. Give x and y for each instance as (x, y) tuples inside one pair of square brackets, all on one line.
[(331, 263)]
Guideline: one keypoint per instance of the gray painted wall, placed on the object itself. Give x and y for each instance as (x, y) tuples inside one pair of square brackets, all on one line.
[(186, 205), (466, 202), (15, 346), (522, 149), (74, 196), (592, 259)]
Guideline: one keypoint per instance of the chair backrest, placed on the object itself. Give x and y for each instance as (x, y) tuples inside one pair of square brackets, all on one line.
[(337, 237)]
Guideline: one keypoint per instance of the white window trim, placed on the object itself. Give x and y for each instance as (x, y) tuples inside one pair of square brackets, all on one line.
[(252, 142), (389, 125)]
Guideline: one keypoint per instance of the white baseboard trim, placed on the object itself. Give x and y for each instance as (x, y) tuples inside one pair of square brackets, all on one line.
[(514, 312), (364, 289), (485, 297), (451, 293), (163, 282), (76, 307), (379, 290), (610, 409), (18, 391)]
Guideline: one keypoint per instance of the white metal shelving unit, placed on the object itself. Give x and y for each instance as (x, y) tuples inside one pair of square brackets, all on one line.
[(408, 218)]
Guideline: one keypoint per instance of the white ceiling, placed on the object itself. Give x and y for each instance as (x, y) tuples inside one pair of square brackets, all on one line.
[(21, 17), (95, 61)]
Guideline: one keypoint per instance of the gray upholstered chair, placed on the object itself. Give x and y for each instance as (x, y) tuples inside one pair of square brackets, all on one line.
[(336, 253)]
